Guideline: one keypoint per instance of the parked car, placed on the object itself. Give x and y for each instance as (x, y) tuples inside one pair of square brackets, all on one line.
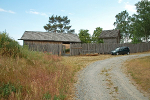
[(121, 50)]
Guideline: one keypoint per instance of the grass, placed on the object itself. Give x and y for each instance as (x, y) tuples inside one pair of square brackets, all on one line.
[(37, 77), (42, 76), (80, 62), (34, 75), (31, 75), (139, 69)]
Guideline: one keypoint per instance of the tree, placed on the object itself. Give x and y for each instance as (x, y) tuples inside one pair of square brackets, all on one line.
[(58, 24), (96, 34), (136, 26), (122, 23), (84, 36), (141, 20), (133, 30)]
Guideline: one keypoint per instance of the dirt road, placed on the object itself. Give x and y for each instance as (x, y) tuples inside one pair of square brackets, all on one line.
[(104, 80)]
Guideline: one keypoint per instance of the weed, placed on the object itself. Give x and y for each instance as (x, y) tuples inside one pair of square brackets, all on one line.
[(7, 89), (62, 97), (116, 89), (47, 96), (107, 74), (104, 70)]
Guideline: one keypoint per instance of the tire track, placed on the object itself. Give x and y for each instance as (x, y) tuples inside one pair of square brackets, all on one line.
[(104, 80)]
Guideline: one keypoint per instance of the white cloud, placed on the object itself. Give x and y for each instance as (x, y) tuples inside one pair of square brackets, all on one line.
[(119, 1), (32, 11), (130, 7), (71, 13), (2, 10), (8, 11)]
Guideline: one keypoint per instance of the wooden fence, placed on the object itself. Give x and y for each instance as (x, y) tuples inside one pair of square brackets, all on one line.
[(103, 48), (78, 48), (55, 49)]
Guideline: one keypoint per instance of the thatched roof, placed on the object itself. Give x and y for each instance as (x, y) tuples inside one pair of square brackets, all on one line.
[(47, 36), (109, 34)]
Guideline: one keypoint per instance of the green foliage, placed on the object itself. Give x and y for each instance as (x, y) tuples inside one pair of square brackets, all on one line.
[(47, 96), (61, 97), (141, 20), (122, 23), (58, 24), (136, 27), (11, 48), (8, 46), (84, 36), (7, 89), (56, 98), (96, 34), (136, 40), (67, 50)]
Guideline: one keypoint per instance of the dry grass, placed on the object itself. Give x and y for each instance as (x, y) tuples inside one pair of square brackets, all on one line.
[(139, 69), (79, 62), (41, 77)]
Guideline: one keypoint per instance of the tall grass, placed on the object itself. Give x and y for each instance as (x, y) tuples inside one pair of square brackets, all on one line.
[(31, 75)]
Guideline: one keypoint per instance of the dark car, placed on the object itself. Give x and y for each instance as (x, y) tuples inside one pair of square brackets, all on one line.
[(121, 50)]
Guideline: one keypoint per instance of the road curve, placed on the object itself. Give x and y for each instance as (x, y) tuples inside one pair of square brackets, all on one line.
[(104, 80)]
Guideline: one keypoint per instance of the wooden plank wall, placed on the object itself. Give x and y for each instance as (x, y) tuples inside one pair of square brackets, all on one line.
[(105, 48), (55, 49)]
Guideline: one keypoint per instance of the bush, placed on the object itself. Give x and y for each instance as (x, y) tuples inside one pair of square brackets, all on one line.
[(67, 50), (7, 89), (10, 47)]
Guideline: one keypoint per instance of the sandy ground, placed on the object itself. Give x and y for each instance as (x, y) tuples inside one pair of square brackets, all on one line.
[(105, 80)]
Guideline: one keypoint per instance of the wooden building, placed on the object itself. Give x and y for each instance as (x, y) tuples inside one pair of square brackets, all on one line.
[(110, 36), (34, 37)]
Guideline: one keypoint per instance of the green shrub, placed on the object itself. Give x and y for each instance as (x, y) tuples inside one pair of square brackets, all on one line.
[(7, 89), (67, 50), (10, 47), (47, 96)]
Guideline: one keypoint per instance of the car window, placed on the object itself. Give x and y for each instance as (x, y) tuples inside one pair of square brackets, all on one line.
[(125, 48), (117, 49)]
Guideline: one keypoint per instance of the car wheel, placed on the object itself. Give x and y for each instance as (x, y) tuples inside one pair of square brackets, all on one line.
[(117, 53), (128, 53)]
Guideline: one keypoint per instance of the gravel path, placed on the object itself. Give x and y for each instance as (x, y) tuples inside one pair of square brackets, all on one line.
[(104, 80)]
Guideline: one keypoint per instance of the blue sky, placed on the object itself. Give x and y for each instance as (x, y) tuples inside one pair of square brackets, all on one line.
[(17, 16)]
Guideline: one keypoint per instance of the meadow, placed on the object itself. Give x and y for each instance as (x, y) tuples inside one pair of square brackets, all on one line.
[(35, 75), (31, 75)]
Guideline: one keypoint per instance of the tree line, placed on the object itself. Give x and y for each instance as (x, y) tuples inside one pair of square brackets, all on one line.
[(135, 27), (58, 24)]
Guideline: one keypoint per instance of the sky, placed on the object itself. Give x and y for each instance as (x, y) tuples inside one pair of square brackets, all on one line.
[(18, 16)]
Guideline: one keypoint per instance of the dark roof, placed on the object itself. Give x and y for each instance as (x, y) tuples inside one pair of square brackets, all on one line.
[(47, 36), (109, 34)]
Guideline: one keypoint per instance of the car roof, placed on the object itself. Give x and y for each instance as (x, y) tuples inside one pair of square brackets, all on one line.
[(124, 47)]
